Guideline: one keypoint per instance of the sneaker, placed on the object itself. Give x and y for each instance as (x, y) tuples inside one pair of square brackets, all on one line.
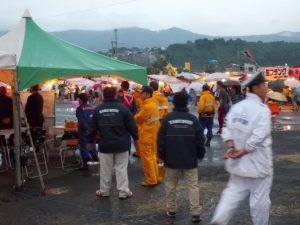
[(127, 195), (135, 155), (196, 218), (171, 214)]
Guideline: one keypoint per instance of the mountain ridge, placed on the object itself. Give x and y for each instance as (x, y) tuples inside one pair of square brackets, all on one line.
[(145, 38)]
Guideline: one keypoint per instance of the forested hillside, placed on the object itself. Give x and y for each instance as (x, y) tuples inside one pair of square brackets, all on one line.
[(198, 53)]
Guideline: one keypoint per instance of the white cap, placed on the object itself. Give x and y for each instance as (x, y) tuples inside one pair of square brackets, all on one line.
[(255, 79)]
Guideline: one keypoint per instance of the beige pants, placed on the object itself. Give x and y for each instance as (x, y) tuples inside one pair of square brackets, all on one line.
[(191, 181), (111, 164)]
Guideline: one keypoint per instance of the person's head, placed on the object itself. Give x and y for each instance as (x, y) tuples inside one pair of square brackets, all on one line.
[(125, 85), (34, 88), (154, 85), (110, 93), (220, 85), (237, 90), (180, 99), (82, 98), (2, 90), (205, 87), (146, 92), (257, 85)]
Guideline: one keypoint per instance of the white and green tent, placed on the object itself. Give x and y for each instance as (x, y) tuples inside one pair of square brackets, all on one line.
[(29, 55), (39, 56)]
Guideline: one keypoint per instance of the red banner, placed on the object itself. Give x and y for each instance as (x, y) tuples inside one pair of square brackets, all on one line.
[(283, 72)]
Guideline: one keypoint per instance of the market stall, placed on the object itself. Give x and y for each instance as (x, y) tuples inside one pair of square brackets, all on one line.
[(29, 55)]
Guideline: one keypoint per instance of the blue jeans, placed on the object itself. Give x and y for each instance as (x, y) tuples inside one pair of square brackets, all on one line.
[(85, 154), (207, 123)]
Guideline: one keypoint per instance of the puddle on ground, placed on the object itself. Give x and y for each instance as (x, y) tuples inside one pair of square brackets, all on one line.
[(57, 191)]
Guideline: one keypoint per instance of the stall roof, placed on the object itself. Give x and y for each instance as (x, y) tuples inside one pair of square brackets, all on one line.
[(40, 56), (165, 78)]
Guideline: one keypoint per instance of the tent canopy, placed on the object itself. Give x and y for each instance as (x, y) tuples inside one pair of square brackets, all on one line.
[(40, 56)]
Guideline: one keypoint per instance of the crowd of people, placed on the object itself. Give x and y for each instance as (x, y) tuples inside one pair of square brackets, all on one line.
[(175, 139)]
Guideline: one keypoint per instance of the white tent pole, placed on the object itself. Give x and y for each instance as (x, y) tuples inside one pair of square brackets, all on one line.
[(17, 130)]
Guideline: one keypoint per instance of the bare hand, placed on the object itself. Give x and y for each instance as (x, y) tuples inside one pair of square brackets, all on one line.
[(229, 153), (239, 153), (90, 147)]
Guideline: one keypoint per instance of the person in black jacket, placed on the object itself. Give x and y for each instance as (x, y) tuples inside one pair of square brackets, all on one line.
[(6, 110), (115, 125), (180, 144), (34, 108)]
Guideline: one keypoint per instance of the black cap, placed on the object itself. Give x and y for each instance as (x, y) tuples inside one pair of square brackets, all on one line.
[(255, 79), (205, 87), (147, 89), (154, 84), (83, 97)]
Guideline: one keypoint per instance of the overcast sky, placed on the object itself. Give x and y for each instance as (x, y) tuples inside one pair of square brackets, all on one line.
[(211, 17)]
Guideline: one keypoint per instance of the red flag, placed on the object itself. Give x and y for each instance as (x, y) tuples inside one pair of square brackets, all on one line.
[(249, 56)]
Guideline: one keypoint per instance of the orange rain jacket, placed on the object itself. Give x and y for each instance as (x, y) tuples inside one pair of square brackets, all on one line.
[(163, 105), (207, 104), (148, 122)]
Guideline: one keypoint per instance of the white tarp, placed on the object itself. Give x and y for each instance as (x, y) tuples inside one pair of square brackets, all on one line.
[(7, 61), (188, 76), (176, 87), (216, 76), (197, 86), (12, 42), (80, 82), (165, 78)]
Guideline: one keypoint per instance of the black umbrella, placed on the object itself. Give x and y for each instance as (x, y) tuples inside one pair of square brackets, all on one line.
[(231, 83), (276, 85)]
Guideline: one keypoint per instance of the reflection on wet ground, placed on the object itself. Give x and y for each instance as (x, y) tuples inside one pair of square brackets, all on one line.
[(286, 121)]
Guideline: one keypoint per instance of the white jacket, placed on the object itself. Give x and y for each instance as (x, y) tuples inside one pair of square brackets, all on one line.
[(248, 124)]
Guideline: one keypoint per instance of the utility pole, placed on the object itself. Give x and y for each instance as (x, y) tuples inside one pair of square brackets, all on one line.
[(116, 40)]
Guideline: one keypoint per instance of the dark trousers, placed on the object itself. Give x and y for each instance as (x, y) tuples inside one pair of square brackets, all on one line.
[(221, 116), (85, 154), (207, 123)]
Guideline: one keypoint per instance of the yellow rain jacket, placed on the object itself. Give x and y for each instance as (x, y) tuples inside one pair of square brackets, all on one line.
[(138, 100), (163, 105), (207, 104), (148, 121)]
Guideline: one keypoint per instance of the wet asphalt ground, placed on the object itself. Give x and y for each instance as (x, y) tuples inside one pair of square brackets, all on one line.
[(71, 199)]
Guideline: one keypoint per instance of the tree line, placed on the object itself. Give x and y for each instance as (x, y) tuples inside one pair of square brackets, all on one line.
[(227, 52)]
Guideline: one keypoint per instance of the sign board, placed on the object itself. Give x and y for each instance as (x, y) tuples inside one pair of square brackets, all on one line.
[(283, 72)]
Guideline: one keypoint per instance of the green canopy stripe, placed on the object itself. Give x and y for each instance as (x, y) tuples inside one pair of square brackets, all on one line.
[(45, 57)]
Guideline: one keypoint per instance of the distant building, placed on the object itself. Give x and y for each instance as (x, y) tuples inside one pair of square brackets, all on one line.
[(142, 57), (245, 68), (212, 66)]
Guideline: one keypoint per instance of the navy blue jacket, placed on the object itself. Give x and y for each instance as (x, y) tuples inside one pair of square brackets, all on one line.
[(83, 114), (115, 125), (180, 140)]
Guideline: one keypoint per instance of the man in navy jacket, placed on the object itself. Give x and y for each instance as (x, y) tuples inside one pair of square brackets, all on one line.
[(180, 145)]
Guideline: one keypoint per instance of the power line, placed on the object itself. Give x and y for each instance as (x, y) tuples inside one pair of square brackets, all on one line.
[(88, 9)]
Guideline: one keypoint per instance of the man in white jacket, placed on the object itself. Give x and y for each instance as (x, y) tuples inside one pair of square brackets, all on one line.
[(247, 136)]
